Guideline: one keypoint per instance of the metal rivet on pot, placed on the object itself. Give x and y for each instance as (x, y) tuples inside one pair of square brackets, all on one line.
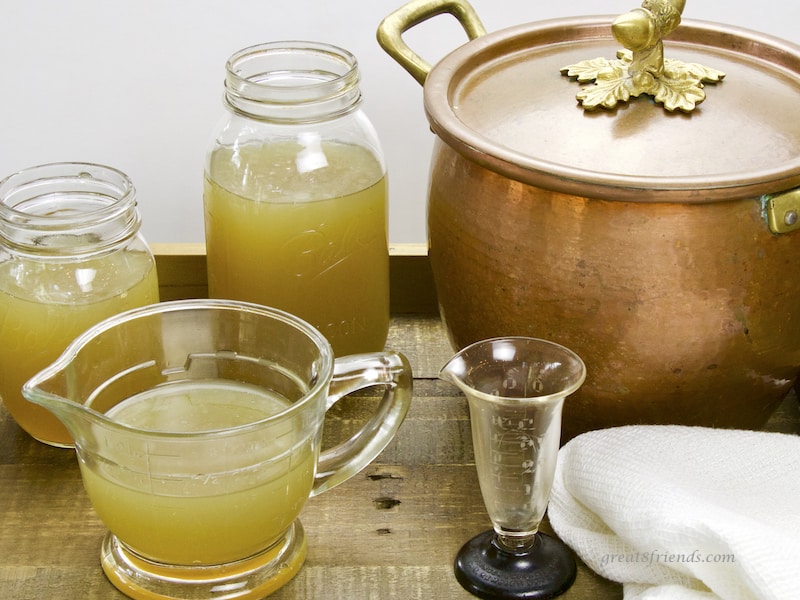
[(790, 218)]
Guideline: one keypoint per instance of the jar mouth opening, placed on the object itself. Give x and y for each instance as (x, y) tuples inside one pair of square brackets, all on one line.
[(44, 206), (292, 64), (64, 194), (59, 212), (265, 79)]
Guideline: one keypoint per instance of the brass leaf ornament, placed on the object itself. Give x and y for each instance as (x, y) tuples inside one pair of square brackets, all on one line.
[(642, 68)]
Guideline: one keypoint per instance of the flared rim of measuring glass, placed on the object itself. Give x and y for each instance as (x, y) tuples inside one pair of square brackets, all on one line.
[(455, 370)]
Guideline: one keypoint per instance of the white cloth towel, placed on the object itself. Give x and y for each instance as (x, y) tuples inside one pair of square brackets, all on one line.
[(683, 513)]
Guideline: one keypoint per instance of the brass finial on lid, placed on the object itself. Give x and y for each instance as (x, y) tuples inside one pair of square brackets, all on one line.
[(642, 68)]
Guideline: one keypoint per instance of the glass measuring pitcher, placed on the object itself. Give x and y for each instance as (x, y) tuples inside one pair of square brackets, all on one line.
[(516, 388), (197, 427)]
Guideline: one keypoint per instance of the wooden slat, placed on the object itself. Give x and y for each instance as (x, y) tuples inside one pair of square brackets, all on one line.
[(182, 274), (391, 532)]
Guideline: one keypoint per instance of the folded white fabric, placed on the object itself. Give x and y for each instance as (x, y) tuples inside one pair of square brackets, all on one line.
[(683, 513)]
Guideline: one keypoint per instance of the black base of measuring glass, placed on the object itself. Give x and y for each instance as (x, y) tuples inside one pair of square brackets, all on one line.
[(487, 571)]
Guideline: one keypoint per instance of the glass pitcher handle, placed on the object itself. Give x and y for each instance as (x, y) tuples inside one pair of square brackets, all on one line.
[(350, 374)]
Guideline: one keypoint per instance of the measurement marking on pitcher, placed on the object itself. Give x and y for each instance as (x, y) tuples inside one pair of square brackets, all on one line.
[(513, 453)]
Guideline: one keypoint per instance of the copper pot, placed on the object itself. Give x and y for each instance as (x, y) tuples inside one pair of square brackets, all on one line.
[(650, 225)]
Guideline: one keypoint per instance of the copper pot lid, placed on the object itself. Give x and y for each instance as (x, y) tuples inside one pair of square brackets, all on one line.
[(507, 101)]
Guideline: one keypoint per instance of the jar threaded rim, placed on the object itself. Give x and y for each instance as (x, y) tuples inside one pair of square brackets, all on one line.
[(292, 81), (67, 208)]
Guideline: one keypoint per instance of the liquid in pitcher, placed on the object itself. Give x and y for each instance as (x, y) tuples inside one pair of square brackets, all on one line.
[(285, 228), (180, 513)]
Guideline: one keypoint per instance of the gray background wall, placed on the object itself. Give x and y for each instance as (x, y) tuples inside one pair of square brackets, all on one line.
[(137, 84)]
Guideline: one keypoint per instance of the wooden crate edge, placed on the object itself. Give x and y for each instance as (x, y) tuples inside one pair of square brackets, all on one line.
[(182, 274)]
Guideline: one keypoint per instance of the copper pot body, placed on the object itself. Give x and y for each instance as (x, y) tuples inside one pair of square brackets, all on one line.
[(683, 313)]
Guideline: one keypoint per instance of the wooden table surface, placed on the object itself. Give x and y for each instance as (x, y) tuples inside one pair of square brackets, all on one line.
[(391, 532)]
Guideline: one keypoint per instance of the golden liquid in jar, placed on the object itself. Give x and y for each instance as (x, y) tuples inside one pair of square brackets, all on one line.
[(44, 306), (285, 229), (179, 513)]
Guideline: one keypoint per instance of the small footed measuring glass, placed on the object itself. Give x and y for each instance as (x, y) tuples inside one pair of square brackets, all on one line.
[(516, 388)]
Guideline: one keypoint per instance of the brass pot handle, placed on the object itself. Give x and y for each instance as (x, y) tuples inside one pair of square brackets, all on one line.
[(392, 28)]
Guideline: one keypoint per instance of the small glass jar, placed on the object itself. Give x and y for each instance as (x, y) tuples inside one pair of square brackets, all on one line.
[(71, 254), (295, 194)]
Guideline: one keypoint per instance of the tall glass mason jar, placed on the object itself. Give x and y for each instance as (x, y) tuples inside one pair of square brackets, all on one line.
[(71, 254), (295, 194)]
